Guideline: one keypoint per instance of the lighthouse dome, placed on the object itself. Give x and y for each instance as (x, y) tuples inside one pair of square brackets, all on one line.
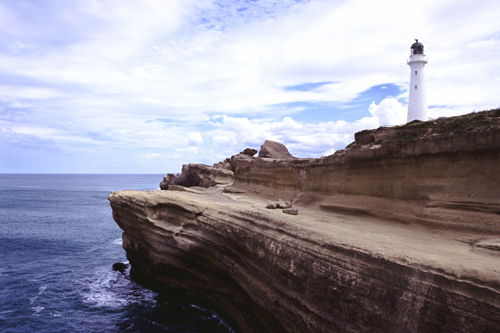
[(417, 48)]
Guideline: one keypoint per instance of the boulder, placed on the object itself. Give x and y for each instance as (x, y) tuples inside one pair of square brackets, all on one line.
[(283, 204), (278, 204), (249, 152), (273, 149), (291, 211), (271, 205), (120, 266)]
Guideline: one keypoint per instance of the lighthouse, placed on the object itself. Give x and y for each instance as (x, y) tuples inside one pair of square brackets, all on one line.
[(417, 101)]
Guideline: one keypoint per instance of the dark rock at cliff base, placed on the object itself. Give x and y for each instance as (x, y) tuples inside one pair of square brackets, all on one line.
[(249, 152), (273, 149), (120, 266)]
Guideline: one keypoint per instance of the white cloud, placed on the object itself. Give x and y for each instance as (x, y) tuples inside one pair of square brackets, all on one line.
[(195, 138), (151, 156), (389, 112), (189, 150), (27, 93)]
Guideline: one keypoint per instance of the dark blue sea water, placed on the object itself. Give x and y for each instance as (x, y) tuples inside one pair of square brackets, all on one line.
[(58, 242)]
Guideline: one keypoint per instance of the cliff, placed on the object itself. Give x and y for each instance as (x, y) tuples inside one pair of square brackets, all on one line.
[(398, 232)]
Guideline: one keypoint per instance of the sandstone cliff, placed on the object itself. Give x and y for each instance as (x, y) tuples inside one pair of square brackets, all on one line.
[(398, 232)]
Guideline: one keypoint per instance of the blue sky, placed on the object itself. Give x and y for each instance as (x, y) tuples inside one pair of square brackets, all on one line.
[(108, 86)]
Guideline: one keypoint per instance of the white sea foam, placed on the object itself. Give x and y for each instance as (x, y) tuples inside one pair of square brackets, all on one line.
[(6, 312), (213, 316), (100, 292), (40, 292), (118, 241), (37, 309), (114, 289)]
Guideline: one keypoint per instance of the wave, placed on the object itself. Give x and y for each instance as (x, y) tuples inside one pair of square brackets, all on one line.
[(40, 292), (212, 316), (118, 241), (108, 288), (37, 309)]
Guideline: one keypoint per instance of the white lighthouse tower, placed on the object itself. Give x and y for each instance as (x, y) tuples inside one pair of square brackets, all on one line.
[(417, 102)]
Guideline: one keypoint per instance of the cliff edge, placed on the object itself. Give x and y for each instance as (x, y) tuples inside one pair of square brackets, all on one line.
[(398, 232)]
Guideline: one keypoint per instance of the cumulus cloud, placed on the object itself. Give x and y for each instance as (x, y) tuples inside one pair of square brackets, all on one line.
[(389, 112), (195, 138)]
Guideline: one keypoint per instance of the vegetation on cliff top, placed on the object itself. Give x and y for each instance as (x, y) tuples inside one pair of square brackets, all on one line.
[(472, 122)]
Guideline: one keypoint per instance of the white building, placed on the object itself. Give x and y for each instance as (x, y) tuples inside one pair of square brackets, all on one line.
[(417, 101)]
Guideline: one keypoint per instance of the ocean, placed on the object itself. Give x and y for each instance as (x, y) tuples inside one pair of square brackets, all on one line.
[(58, 242)]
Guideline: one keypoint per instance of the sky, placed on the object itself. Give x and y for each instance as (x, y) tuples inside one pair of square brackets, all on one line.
[(144, 86)]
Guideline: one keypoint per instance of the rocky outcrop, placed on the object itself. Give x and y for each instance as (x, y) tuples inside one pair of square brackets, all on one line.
[(399, 232), (273, 149), (249, 152), (198, 174)]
